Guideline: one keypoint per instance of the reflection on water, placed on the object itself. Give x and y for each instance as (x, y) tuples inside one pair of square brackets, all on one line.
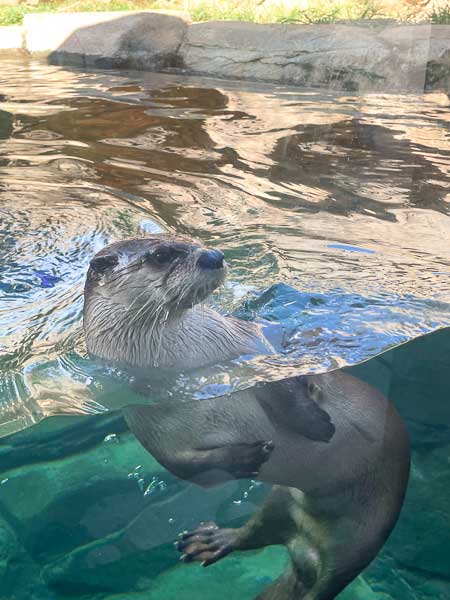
[(343, 198), (332, 212)]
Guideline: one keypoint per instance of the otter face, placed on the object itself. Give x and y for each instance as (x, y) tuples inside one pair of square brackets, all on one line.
[(156, 275)]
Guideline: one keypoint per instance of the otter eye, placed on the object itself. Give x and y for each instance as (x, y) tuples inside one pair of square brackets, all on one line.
[(162, 257), (100, 264)]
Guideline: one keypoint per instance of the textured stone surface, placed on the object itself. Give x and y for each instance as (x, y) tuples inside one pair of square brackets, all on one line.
[(145, 39), (348, 57), (359, 56), (97, 514)]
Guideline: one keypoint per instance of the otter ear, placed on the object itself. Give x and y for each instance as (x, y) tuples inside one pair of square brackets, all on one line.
[(99, 264)]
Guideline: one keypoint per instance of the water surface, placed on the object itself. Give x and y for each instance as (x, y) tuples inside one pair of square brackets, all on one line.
[(332, 211)]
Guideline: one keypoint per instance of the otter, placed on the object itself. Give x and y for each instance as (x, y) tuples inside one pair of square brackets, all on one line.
[(334, 448), (142, 306)]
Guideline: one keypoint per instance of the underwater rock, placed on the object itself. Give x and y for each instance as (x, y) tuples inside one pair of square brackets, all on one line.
[(130, 558), (415, 377), (60, 504), (421, 383), (414, 562), (237, 578), (422, 540), (56, 438), (97, 514), (16, 566), (9, 550), (359, 589)]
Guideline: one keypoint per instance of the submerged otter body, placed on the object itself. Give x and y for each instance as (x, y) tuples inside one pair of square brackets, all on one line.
[(334, 447), (340, 480)]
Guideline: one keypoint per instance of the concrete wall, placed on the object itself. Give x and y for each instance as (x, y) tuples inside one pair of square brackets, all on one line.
[(361, 56), (11, 38)]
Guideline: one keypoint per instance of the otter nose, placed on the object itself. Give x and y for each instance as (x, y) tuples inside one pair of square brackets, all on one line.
[(210, 259)]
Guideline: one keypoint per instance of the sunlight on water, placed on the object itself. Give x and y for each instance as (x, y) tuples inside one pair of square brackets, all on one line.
[(331, 211)]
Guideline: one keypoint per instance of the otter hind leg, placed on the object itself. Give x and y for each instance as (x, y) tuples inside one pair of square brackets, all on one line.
[(271, 524), (301, 579)]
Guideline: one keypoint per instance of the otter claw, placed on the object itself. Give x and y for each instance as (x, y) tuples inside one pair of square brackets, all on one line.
[(268, 447), (207, 544)]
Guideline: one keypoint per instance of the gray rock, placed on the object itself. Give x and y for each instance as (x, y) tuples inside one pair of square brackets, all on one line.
[(339, 56), (144, 40), (359, 56)]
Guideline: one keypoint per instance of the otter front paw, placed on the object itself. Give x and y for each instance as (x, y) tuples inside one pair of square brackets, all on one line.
[(206, 544), (245, 460)]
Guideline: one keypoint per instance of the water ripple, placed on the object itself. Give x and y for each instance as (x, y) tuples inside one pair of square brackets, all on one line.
[(332, 210)]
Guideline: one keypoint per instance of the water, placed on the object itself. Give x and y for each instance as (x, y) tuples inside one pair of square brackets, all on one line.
[(332, 212)]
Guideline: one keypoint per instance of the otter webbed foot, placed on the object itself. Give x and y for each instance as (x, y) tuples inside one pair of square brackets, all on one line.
[(206, 544)]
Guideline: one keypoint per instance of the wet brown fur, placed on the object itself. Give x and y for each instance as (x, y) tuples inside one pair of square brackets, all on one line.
[(334, 447)]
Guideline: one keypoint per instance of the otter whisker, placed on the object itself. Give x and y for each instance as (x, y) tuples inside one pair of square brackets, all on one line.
[(154, 326), (142, 311), (183, 294), (138, 297), (161, 331)]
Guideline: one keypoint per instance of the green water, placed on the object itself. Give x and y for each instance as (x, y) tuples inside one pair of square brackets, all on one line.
[(332, 212)]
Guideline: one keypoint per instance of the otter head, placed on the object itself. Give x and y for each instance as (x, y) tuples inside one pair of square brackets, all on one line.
[(154, 276)]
